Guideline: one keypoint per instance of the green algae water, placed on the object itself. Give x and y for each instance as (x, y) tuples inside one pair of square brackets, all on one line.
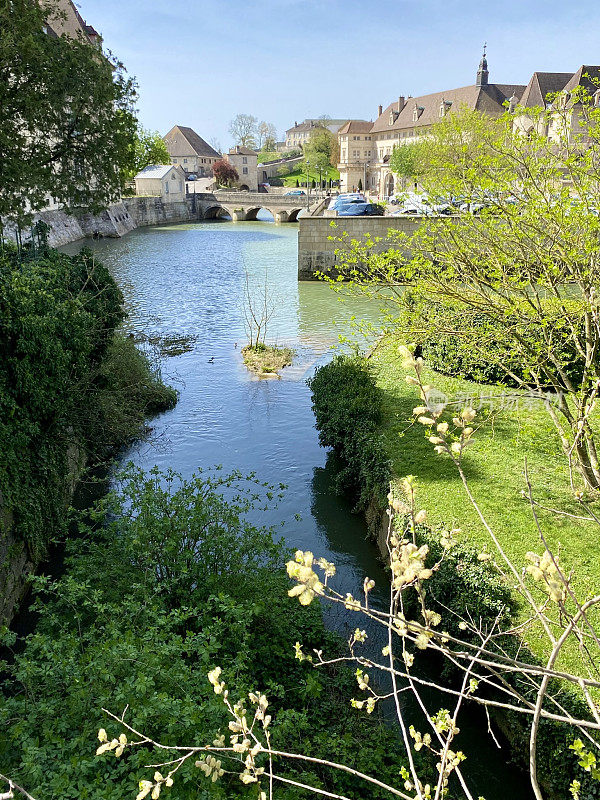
[(189, 281)]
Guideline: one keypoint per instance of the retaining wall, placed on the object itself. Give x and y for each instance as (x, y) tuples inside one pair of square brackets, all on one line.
[(316, 251)]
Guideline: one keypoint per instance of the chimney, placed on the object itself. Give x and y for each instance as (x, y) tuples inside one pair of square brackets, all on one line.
[(380, 112), (401, 103)]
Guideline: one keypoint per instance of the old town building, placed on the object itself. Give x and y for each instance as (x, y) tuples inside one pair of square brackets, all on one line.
[(190, 151), (166, 181), (299, 135), (245, 162), (365, 148)]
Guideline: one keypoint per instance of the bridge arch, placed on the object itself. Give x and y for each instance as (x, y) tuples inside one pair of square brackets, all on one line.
[(293, 215), (216, 212)]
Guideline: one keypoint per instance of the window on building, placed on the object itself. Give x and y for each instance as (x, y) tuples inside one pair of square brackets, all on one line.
[(244, 160), (166, 187), (185, 160), (174, 160), (245, 170)]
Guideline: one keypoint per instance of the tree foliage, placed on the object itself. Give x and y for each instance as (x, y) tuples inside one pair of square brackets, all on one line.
[(322, 148), (67, 123), (225, 173), (148, 148), (528, 261), (66, 383), (266, 136), (407, 160), (167, 579)]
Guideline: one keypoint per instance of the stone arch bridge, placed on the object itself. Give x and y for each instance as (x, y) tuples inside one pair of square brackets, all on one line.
[(242, 206)]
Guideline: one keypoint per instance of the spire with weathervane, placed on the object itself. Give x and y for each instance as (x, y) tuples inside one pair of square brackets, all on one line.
[(482, 72)]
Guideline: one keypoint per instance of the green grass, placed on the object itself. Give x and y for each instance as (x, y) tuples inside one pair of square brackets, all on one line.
[(300, 175), (494, 465)]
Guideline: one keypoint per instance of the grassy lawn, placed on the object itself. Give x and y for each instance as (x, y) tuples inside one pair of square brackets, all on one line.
[(494, 464), (300, 175)]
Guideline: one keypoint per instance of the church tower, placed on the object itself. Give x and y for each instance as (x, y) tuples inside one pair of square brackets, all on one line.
[(482, 72)]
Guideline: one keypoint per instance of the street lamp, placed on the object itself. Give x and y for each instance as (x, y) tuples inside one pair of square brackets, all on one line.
[(307, 186), (366, 166)]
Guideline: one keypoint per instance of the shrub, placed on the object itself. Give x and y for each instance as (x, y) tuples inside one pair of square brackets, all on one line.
[(70, 387), (348, 410), (172, 581), (449, 352)]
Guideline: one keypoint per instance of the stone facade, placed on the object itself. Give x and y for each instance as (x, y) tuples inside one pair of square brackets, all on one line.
[(316, 251), (165, 181), (190, 151), (245, 163), (65, 20)]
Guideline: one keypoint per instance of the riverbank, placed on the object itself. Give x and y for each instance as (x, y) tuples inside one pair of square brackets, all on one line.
[(74, 389), (116, 221), (519, 431), (364, 412)]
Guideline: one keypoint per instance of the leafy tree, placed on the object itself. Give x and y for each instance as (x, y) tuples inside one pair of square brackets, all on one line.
[(67, 123), (148, 148), (225, 173), (527, 261), (321, 149), (269, 144), (244, 129), (266, 132), (407, 159)]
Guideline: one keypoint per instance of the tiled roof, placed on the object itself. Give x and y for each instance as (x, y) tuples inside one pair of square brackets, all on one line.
[(302, 127), (155, 171), (181, 141), (585, 76), (240, 150), (542, 84), (488, 98), (356, 126)]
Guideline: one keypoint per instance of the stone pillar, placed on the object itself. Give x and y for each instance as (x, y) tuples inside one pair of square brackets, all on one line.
[(238, 215), (281, 216)]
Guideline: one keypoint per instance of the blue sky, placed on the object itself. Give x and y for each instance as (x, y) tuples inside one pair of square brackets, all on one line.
[(200, 62)]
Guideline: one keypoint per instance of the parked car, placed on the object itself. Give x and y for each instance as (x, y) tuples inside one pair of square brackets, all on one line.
[(192, 178), (295, 193), (360, 210), (344, 200)]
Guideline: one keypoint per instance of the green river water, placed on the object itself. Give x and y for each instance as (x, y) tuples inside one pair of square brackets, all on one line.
[(190, 280)]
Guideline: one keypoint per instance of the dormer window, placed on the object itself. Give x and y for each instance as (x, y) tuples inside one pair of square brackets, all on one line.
[(445, 106), (417, 111)]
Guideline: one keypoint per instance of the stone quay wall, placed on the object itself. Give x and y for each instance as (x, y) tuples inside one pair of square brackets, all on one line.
[(316, 251), (117, 220)]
